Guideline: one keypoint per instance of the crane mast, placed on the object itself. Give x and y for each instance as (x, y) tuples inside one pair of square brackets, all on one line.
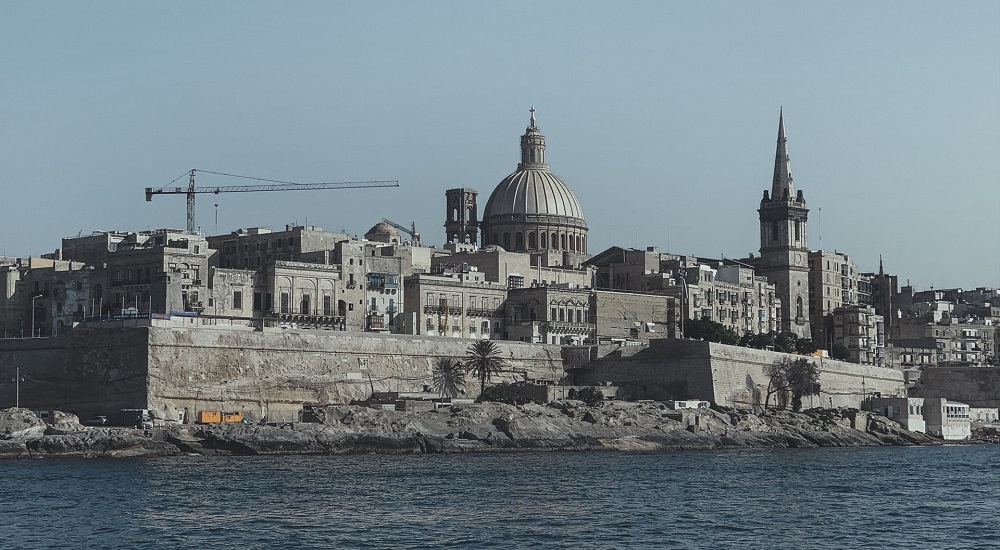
[(272, 185)]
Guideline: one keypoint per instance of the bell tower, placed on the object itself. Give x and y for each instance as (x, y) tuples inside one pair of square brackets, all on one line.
[(784, 250), (462, 223)]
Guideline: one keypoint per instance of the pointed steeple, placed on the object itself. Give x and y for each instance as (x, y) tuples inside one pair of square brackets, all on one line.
[(532, 147), (781, 187)]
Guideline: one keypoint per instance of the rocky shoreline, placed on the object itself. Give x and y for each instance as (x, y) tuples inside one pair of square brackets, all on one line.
[(483, 427)]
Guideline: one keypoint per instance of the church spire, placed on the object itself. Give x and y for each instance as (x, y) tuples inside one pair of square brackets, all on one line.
[(781, 187), (532, 147)]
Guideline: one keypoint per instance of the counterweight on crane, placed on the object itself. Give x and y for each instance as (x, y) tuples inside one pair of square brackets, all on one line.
[(273, 185), (411, 231)]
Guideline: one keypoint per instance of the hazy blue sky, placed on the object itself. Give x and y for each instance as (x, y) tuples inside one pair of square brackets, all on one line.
[(662, 117)]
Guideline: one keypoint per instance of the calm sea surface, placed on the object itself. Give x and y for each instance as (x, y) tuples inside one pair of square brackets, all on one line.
[(924, 497)]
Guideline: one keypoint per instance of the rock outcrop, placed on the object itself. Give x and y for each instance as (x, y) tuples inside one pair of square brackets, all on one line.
[(23, 435), (483, 427)]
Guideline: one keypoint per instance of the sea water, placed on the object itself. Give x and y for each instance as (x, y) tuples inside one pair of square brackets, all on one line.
[(884, 497)]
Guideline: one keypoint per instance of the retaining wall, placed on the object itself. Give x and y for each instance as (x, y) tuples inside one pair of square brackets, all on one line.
[(729, 375)]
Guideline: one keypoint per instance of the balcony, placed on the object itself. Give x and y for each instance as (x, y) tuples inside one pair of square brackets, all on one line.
[(443, 310), (481, 312)]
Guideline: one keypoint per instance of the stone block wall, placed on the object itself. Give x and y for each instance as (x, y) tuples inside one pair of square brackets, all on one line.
[(86, 372), (728, 375), (975, 386)]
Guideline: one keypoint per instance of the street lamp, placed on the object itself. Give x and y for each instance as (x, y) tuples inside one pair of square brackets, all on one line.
[(33, 298)]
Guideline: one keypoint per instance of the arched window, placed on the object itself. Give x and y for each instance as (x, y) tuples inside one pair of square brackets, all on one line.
[(798, 306), (469, 215), (584, 244), (572, 244), (506, 240), (496, 239), (531, 240), (470, 237), (519, 241), (774, 230), (555, 241), (579, 244), (562, 241), (544, 240), (454, 214)]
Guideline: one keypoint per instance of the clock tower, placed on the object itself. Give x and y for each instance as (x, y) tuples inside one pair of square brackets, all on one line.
[(784, 252)]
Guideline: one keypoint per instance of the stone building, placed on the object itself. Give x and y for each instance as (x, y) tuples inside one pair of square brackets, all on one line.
[(632, 316), (554, 314), (955, 343), (160, 272), (45, 297), (454, 303), (884, 296), (531, 209), (859, 329), (834, 282), (784, 246), (725, 291), (499, 265)]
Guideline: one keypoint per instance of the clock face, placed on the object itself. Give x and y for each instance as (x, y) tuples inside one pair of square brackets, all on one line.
[(798, 258)]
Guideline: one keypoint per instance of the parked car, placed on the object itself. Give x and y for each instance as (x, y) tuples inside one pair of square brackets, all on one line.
[(97, 421)]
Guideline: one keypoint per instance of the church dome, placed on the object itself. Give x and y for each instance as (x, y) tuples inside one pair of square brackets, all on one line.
[(383, 228), (532, 209), (533, 191)]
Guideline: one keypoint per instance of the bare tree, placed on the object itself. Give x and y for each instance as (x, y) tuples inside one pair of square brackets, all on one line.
[(791, 379)]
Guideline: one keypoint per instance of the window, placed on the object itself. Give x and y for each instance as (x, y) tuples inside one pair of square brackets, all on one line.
[(258, 301), (774, 230), (304, 308), (284, 302), (327, 305), (553, 316), (237, 299)]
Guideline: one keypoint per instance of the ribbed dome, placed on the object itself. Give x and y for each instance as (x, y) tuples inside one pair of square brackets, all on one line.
[(532, 192), (383, 228)]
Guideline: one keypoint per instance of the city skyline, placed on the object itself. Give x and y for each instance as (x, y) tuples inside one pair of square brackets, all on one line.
[(661, 118)]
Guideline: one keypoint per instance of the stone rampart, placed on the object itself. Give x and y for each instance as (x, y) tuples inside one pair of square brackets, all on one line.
[(85, 372), (976, 386), (729, 375), (103, 370), (273, 373)]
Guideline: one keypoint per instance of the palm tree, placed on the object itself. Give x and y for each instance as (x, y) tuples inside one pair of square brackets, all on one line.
[(483, 360), (449, 377)]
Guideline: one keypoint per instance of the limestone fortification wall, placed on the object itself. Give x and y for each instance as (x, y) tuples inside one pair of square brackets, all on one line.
[(85, 372), (274, 372), (99, 371), (729, 375), (976, 386)]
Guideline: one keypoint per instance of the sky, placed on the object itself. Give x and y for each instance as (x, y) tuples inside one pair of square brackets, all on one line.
[(661, 116)]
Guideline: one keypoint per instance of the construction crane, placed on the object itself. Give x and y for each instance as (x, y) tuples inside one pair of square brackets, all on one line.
[(412, 231), (273, 185)]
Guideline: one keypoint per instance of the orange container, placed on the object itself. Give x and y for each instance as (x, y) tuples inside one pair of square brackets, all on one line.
[(209, 417)]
